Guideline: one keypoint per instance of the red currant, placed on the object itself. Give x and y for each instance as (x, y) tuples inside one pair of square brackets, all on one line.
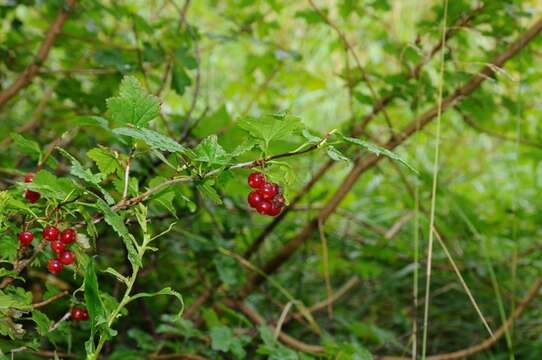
[(263, 207), (67, 257), (54, 266), (58, 247), (28, 178), (79, 314), (256, 180), (254, 198), (68, 236), (50, 233), (269, 190), (26, 237), (32, 196), (274, 210)]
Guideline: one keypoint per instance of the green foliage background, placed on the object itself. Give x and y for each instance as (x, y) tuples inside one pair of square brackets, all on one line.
[(190, 95)]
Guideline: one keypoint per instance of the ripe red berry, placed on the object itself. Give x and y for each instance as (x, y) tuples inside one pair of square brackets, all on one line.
[(50, 233), (263, 207), (28, 178), (58, 247), (256, 180), (275, 210), (79, 314), (67, 257), (54, 266), (269, 190), (254, 198), (32, 196), (68, 236), (26, 237)]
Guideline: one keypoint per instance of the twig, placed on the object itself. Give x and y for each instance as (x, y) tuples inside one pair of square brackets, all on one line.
[(62, 319), (49, 300), (25, 78)]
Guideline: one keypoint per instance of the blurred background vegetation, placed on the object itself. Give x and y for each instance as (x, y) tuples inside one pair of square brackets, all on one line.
[(213, 62)]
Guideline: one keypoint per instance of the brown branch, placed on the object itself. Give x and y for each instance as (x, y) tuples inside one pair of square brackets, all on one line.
[(362, 164), (489, 342), (25, 78), (289, 341), (49, 300), (378, 107)]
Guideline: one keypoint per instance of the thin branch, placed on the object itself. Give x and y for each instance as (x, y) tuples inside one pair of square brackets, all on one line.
[(49, 300), (26, 77)]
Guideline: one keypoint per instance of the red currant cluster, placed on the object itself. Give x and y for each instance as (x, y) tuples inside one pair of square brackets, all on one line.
[(267, 197), (78, 314), (59, 240)]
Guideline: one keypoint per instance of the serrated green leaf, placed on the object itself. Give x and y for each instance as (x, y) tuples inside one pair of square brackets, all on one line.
[(85, 174), (207, 190), (105, 160), (133, 105), (117, 223), (268, 128), (26, 146), (90, 120), (209, 151), (375, 149), (51, 186), (152, 138), (43, 323)]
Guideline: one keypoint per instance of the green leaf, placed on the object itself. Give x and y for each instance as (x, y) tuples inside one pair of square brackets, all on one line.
[(179, 79), (268, 128), (50, 186), (208, 190), (223, 339), (15, 298), (90, 120), (85, 174), (94, 303), (117, 223), (105, 159), (43, 323), (26, 146), (209, 151), (152, 138), (133, 105), (335, 154), (375, 149), (164, 291)]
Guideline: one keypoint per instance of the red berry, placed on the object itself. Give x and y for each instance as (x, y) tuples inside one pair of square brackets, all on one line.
[(50, 233), (254, 198), (263, 207), (54, 266), (78, 314), (68, 236), (67, 257), (85, 314), (32, 196), (256, 180), (28, 178), (275, 210), (26, 237), (269, 190), (279, 201), (58, 247)]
